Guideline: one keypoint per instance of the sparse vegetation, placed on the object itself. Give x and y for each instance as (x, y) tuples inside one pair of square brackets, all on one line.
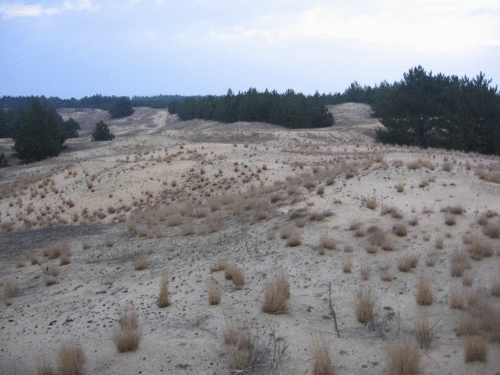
[(71, 359), (277, 295), (322, 359), (475, 349), (403, 358), (364, 306), (163, 298), (425, 294), (128, 336)]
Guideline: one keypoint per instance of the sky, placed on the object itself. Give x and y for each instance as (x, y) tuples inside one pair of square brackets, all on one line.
[(76, 48)]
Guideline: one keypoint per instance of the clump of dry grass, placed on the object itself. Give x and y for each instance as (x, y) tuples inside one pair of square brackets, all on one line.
[(371, 249), (235, 274), (439, 243), (71, 359), (322, 359), (213, 292), (468, 325), (407, 262), (386, 274), (425, 333), (479, 249), (141, 263), (364, 307), (376, 236), (33, 258), (449, 219), (492, 230), (10, 288), (403, 358), (301, 223), (430, 260), (457, 300), (44, 367), (425, 294), (64, 259), (347, 265), (467, 279), (459, 263), (328, 243), (371, 202), (128, 336), (85, 245), (163, 298), (495, 287), (475, 349), (277, 295), (20, 264), (400, 187), (54, 251), (218, 265), (364, 271), (400, 230), (294, 239), (109, 241)]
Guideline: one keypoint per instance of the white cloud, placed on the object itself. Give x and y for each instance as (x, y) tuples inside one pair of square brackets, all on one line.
[(21, 10), (422, 25)]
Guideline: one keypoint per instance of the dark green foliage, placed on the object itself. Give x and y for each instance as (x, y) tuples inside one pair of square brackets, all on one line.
[(71, 127), (38, 132), (429, 110), (4, 123), (290, 110), (3, 160), (122, 108), (101, 132)]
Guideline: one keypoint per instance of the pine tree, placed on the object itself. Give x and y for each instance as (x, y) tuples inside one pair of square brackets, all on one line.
[(122, 108), (101, 132), (39, 133)]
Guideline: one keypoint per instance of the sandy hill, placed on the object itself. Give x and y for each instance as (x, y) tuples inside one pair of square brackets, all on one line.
[(406, 239)]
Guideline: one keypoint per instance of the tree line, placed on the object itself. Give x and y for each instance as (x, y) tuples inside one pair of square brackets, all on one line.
[(290, 109)]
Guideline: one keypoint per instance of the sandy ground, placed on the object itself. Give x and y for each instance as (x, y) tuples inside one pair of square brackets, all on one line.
[(234, 189)]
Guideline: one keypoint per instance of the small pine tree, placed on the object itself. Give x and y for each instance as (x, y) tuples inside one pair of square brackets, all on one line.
[(38, 133), (101, 132)]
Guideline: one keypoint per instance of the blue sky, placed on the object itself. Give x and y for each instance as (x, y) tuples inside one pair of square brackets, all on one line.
[(76, 48)]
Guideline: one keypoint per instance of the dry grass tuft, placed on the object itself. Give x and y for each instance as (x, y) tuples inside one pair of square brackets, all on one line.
[(219, 265), (141, 263), (495, 287), (322, 359), (364, 307), (33, 258), (403, 358), (479, 249), (400, 187), (425, 294), (459, 263), (71, 359), (347, 265), (277, 295), (467, 279), (235, 274), (364, 271), (449, 219), (475, 349), (64, 259), (294, 240), (407, 262), (371, 203), (327, 243), (44, 367), (457, 300), (492, 230), (128, 336), (109, 241), (10, 288), (213, 293), (371, 249), (400, 230), (467, 326), (425, 333), (163, 298), (55, 251), (386, 274), (430, 260)]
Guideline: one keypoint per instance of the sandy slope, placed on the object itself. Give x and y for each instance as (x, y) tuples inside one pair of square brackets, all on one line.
[(136, 172)]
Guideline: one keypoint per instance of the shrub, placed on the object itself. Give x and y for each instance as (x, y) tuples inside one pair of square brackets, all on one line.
[(122, 108), (101, 132), (492, 230), (236, 275), (322, 359), (277, 295), (347, 265), (450, 220), (403, 358), (364, 307), (327, 243), (109, 242), (163, 298), (480, 248), (71, 359), (475, 349)]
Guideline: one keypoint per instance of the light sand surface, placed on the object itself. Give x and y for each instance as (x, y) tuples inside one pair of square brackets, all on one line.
[(235, 188)]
